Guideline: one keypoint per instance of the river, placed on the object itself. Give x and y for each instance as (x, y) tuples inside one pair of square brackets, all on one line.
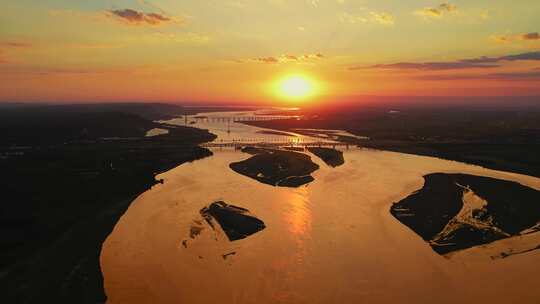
[(331, 241)]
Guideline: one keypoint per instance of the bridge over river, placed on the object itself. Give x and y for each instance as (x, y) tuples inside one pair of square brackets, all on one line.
[(254, 142), (229, 119)]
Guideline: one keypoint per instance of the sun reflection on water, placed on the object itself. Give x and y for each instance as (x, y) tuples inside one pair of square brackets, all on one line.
[(299, 215)]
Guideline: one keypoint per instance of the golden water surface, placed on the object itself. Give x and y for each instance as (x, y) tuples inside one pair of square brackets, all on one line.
[(331, 241)]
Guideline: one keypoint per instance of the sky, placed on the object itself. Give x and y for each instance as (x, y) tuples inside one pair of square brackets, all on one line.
[(239, 51)]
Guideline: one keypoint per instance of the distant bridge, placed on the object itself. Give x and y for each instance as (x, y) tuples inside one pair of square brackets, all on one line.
[(273, 143), (229, 119)]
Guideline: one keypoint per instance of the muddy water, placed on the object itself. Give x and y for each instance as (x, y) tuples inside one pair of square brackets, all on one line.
[(331, 241)]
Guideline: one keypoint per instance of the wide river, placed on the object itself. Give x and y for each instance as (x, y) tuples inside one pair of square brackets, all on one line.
[(331, 241)]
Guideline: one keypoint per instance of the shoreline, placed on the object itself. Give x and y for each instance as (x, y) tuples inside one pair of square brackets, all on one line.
[(53, 250), (465, 152)]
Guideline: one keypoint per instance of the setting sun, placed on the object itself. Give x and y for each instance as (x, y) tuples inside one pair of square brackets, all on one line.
[(296, 87)]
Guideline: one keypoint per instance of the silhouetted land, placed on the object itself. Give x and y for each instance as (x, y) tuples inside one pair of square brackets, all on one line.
[(236, 222), (503, 135), (331, 157), (67, 175), (276, 167), (435, 211)]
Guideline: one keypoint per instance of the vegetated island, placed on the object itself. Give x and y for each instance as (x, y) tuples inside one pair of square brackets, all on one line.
[(331, 157), (236, 222), (276, 167), (67, 174), (458, 211)]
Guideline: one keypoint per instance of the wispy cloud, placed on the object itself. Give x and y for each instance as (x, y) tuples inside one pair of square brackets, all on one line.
[(381, 18), (12, 44), (532, 36), (289, 58), (451, 65), (151, 5), (527, 75), (480, 62), (51, 71), (186, 38), (135, 17), (436, 12)]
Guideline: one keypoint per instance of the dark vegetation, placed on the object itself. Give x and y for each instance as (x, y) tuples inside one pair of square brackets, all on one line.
[(497, 133), (297, 149), (276, 167), (67, 174), (331, 157), (511, 209), (235, 221)]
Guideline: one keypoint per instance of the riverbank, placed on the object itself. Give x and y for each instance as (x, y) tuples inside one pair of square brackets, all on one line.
[(506, 140), (63, 196)]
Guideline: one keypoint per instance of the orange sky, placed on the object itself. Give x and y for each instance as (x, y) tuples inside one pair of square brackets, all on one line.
[(236, 51)]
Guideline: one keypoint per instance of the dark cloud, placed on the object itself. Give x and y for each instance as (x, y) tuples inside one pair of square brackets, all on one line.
[(267, 59), (523, 56), (428, 66), (44, 71), (447, 7), (437, 12), (291, 57), (531, 75), (11, 45), (135, 17), (531, 36), (509, 38), (15, 44), (480, 62)]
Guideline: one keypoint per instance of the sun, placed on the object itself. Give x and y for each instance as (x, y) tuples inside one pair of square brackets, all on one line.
[(295, 87)]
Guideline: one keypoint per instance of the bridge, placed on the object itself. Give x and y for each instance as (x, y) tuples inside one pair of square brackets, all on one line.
[(229, 119), (241, 143)]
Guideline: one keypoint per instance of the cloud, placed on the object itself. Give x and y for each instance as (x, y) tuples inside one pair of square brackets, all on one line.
[(429, 66), (11, 44), (528, 75), (502, 38), (480, 62), (187, 38), (29, 70), (267, 59), (290, 58), (131, 16), (381, 18), (532, 36), (352, 19), (436, 12), (148, 4), (523, 56)]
